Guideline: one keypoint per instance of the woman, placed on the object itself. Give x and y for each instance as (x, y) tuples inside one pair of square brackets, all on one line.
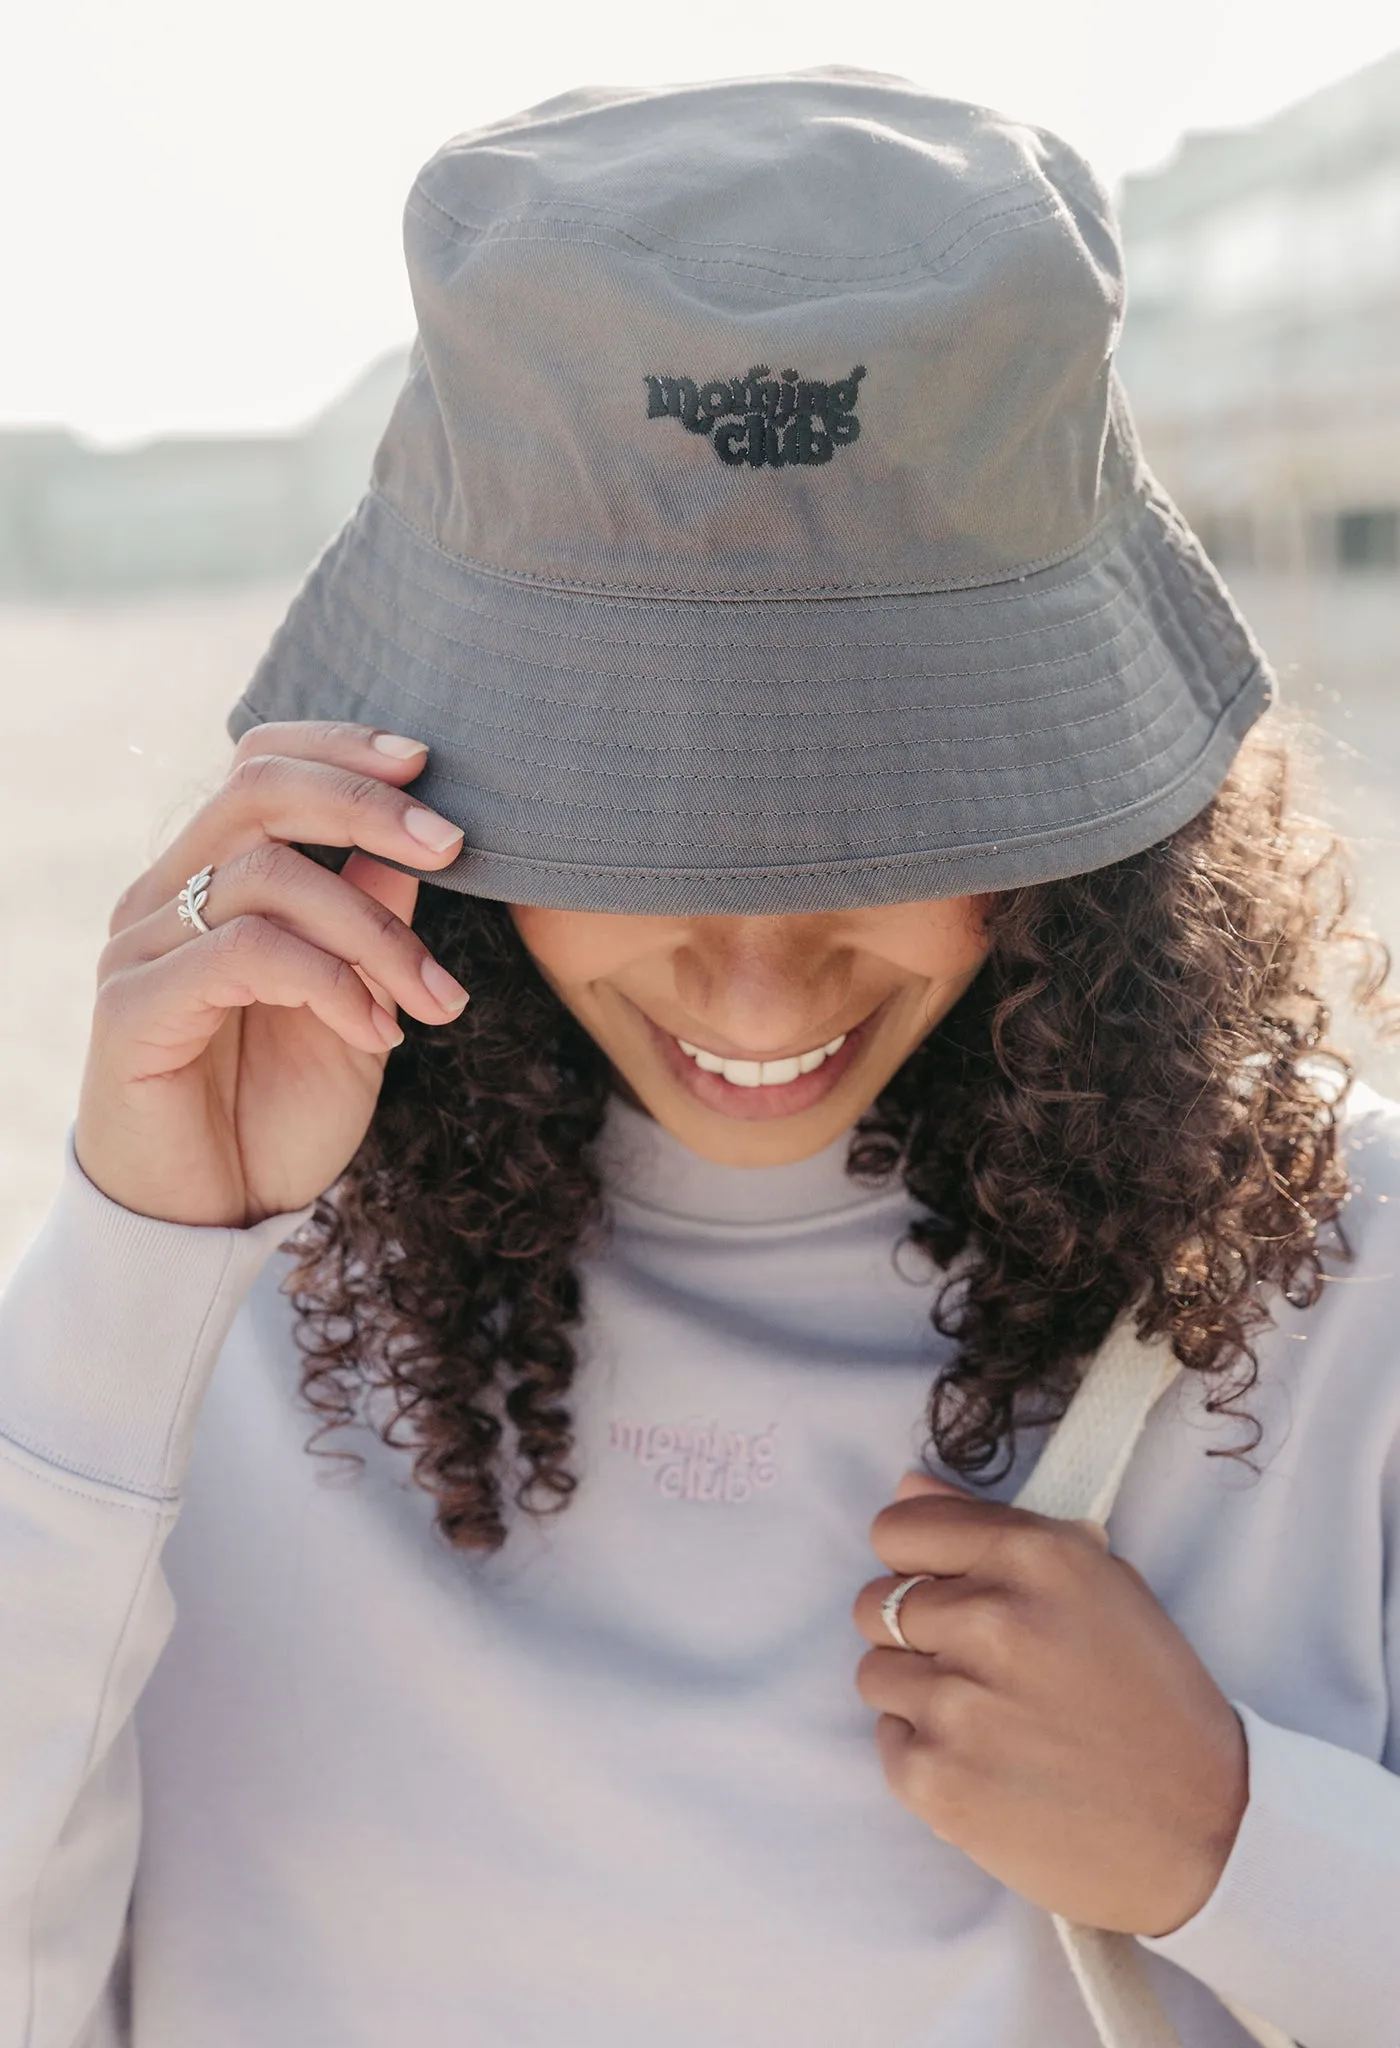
[(764, 674)]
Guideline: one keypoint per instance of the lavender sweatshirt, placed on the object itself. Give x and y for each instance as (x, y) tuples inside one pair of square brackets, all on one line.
[(281, 1770)]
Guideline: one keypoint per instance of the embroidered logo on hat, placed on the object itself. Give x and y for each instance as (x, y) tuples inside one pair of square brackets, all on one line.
[(762, 420), (982, 651)]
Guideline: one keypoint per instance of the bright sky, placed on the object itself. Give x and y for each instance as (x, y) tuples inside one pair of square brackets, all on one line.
[(200, 205)]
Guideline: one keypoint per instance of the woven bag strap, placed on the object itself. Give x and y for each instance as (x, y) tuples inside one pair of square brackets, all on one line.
[(1077, 1476)]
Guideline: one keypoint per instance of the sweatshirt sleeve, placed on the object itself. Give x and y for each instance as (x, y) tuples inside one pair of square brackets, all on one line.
[(109, 1332), (1302, 1927)]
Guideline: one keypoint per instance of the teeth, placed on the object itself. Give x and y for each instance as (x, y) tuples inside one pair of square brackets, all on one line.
[(761, 1073), (743, 1073), (775, 1072)]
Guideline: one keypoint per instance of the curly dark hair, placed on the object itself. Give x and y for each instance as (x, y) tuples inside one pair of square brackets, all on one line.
[(1134, 1103)]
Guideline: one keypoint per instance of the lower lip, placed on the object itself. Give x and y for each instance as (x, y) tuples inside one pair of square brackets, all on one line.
[(759, 1105)]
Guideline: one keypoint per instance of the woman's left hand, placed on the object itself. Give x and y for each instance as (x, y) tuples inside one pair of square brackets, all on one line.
[(1051, 1720)]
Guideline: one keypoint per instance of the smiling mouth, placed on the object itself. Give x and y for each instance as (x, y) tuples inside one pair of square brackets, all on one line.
[(758, 1090), (761, 1073)]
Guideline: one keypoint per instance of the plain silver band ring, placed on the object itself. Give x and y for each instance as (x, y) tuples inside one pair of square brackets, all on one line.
[(889, 1606), (191, 899)]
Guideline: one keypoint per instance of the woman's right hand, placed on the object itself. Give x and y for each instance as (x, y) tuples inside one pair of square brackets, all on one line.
[(232, 1075)]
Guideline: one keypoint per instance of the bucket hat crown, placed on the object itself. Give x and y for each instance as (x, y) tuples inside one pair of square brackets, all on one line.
[(761, 525)]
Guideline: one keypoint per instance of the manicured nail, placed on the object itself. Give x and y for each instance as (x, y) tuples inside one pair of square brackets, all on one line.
[(395, 744), (431, 830), (386, 1027), (442, 988)]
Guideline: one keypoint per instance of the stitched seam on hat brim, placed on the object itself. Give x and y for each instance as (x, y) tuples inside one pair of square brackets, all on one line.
[(589, 807), (963, 855), (1116, 709), (786, 645), (922, 770), (338, 640), (537, 207), (865, 807), (1125, 512), (670, 251)]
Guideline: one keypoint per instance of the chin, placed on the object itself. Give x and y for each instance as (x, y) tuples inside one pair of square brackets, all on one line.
[(741, 1141)]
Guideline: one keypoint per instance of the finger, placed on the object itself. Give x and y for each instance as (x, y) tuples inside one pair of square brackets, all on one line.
[(915, 1483), (869, 1619), (896, 1741), (949, 1632), (274, 882), (898, 1682), (395, 756), (159, 1015), (960, 1535), (396, 891), (936, 1532), (944, 1618), (917, 1697), (313, 803), (929, 1773)]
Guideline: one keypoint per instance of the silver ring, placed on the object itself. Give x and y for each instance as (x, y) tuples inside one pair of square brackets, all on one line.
[(890, 1605), (191, 899)]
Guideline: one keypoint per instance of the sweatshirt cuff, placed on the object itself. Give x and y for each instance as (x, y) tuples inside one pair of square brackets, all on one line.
[(110, 1329), (1301, 1925)]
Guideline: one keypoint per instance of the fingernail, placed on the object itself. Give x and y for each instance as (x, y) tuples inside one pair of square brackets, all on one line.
[(431, 830), (386, 1027), (442, 988), (395, 744)]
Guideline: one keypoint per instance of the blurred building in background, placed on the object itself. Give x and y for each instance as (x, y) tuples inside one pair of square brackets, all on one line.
[(185, 512), (1261, 354)]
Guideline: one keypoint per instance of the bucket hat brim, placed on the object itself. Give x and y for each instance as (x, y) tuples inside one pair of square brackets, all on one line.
[(687, 755)]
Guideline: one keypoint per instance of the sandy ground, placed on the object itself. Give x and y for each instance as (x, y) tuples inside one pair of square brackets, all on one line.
[(114, 715)]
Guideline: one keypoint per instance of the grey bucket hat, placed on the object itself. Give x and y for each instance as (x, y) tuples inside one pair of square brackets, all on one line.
[(761, 526)]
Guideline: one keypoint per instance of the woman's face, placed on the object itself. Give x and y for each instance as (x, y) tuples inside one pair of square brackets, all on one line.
[(758, 1040)]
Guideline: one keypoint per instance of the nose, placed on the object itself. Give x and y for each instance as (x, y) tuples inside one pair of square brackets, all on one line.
[(765, 986)]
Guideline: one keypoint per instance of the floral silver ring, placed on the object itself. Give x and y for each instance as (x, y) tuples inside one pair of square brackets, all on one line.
[(191, 900)]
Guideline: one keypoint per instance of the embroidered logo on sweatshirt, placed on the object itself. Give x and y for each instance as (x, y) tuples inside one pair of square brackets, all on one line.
[(698, 1460), (761, 420)]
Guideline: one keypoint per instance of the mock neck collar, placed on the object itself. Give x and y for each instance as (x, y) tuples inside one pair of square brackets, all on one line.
[(644, 1164)]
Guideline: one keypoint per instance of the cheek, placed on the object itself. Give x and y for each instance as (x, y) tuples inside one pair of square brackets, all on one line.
[(943, 941), (576, 948)]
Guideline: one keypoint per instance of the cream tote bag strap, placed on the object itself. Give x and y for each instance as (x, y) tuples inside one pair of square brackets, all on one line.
[(1077, 1477)]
